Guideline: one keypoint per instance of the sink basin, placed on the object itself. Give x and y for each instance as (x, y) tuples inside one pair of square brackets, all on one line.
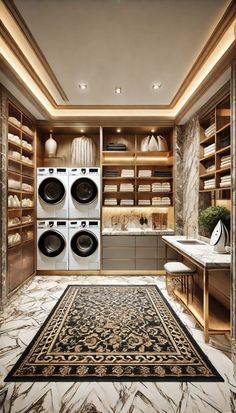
[(190, 242)]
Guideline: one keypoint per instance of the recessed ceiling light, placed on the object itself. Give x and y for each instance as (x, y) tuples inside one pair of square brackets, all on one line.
[(83, 86), (118, 90), (156, 86), (82, 130), (118, 130), (152, 130)]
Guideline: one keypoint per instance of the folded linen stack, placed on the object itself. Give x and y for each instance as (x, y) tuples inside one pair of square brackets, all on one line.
[(225, 161), (127, 173), (14, 238), (110, 188), (210, 168), (116, 147), (27, 145), (27, 203), (14, 138), (225, 181), (144, 202), (211, 130), (165, 200), (126, 187), (128, 202), (209, 183), (14, 155), (15, 121), (27, 187), (161, 187), (161, 173), (110, 201), (144, 188), (26, 159), (208, 150), (224, 141), (12, 183), (26, 129), (111, 172), (12, 222), (144, 173), (13, 201)]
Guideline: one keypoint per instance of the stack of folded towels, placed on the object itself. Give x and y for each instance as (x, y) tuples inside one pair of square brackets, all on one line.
[(126, 187), (161, 187), (210, 168), (225, 180), (225, 161), (127, 173), (127, 202), (209, 183), (144, 202), (110, 188), (144, 188), (14, 138), (161, 173), (211, 130), (165, 200), (116, 147), (144, 173), (110, 201), (111, 172), (208, 150)]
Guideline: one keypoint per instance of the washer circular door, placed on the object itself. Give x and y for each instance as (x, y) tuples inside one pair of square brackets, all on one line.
[(84, 190), (51, 243), (84, 243), (51, 191)]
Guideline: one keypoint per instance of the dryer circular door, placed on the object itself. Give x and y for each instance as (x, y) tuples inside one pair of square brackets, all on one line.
[(84, 190), (51, 190), (51, 243), (84, 243)]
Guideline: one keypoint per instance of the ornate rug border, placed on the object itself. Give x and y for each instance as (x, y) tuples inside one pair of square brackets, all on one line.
[(11, 378)]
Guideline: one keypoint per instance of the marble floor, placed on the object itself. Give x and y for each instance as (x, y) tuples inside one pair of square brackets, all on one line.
[(24, 315)]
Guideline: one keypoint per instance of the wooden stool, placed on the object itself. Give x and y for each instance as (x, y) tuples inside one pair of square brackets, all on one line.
[(182, 271)]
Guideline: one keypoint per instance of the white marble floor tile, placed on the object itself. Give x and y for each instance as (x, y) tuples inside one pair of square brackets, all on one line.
[(28, 309)]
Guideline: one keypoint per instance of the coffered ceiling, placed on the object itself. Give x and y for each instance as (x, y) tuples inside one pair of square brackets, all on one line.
[(105, 44)]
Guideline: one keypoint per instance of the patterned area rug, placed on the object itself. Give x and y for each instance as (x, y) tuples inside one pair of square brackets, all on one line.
[(110, 333)]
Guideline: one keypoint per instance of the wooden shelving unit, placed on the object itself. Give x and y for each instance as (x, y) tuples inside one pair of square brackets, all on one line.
[(219, 156), (21, 185), (135, 160)]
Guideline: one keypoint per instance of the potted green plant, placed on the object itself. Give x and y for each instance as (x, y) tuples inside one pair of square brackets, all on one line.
[(209, 217)]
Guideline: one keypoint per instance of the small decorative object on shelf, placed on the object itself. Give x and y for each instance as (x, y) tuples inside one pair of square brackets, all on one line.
[(219, 238), (50, 147)]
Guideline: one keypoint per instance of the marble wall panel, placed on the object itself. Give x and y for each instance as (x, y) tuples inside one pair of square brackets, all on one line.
[(178, 138), (233, 222)]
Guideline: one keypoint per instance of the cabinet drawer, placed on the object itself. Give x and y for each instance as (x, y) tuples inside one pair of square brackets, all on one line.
[(146, 264), (118, 265), (147, 253), (146, 240), (160, 264), (119, 253), (161, 253), (118, 240)]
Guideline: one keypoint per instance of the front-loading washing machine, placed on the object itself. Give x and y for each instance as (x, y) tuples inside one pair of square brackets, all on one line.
[(84, 248), (52, 193), (84, 189), (52, 248)]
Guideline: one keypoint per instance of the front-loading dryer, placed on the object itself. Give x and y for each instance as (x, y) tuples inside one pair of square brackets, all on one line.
[(52, 245), (84, 248), (84, 189), (52, 193)]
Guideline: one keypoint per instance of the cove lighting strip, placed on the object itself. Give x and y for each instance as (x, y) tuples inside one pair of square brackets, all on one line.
[(11, 26)]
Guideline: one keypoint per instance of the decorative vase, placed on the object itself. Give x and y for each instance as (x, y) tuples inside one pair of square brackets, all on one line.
[(50, 147)]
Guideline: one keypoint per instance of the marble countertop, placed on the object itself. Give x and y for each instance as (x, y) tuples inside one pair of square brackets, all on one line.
[(202, 252), (136, 231)]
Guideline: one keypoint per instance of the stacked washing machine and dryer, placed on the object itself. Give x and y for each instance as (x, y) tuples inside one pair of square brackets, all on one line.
[(68, 218)]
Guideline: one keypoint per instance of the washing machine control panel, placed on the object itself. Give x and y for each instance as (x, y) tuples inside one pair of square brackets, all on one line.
[(84, 224), (51, 171), (84, 171), (52, 224)]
